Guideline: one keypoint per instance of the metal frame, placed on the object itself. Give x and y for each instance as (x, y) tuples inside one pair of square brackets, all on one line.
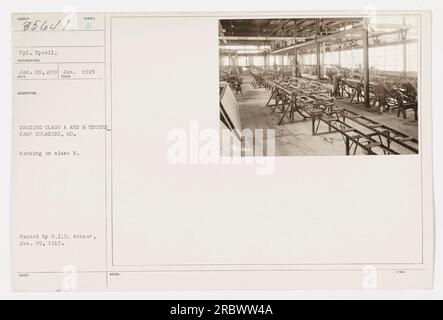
[(380, 138), (353, 127)]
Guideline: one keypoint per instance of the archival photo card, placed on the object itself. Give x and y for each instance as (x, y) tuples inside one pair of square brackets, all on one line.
[(127, 176)]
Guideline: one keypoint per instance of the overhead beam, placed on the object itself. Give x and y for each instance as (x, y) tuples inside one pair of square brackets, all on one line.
[(279, 27), (350, 33), (245, 54), (246, 38), (320, 39)]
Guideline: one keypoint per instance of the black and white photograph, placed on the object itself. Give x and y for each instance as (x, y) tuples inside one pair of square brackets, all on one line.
[(316, 178), (325, 86)]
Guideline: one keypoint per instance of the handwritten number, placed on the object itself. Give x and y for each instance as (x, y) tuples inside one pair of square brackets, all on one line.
[(26, 25), (53, 27), (35, 25), (67, 24), (44, 26)]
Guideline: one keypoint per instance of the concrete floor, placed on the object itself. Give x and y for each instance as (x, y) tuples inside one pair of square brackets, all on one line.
[(296, 139)]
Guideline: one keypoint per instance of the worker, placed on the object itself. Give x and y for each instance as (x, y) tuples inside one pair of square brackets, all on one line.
[(381, 93), (238, 84), (411, 90), (336, 84)]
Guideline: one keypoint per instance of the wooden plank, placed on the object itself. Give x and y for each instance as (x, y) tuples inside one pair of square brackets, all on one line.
[(230, 105)]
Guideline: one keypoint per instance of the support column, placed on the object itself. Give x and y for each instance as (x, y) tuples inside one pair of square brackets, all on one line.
[(405, 55), (296, 62), (403, 34), (366, 60), (295, 49), (323, 60), (317, 30)]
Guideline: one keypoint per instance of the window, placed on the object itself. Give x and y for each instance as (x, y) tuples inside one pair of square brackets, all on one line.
[(327, 56), (272, 60), (258, 61), (225, 61), (285, 60), (310, 59), (242, 61), (331, 58), (357, 58), (346, 58), (389, 58)]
